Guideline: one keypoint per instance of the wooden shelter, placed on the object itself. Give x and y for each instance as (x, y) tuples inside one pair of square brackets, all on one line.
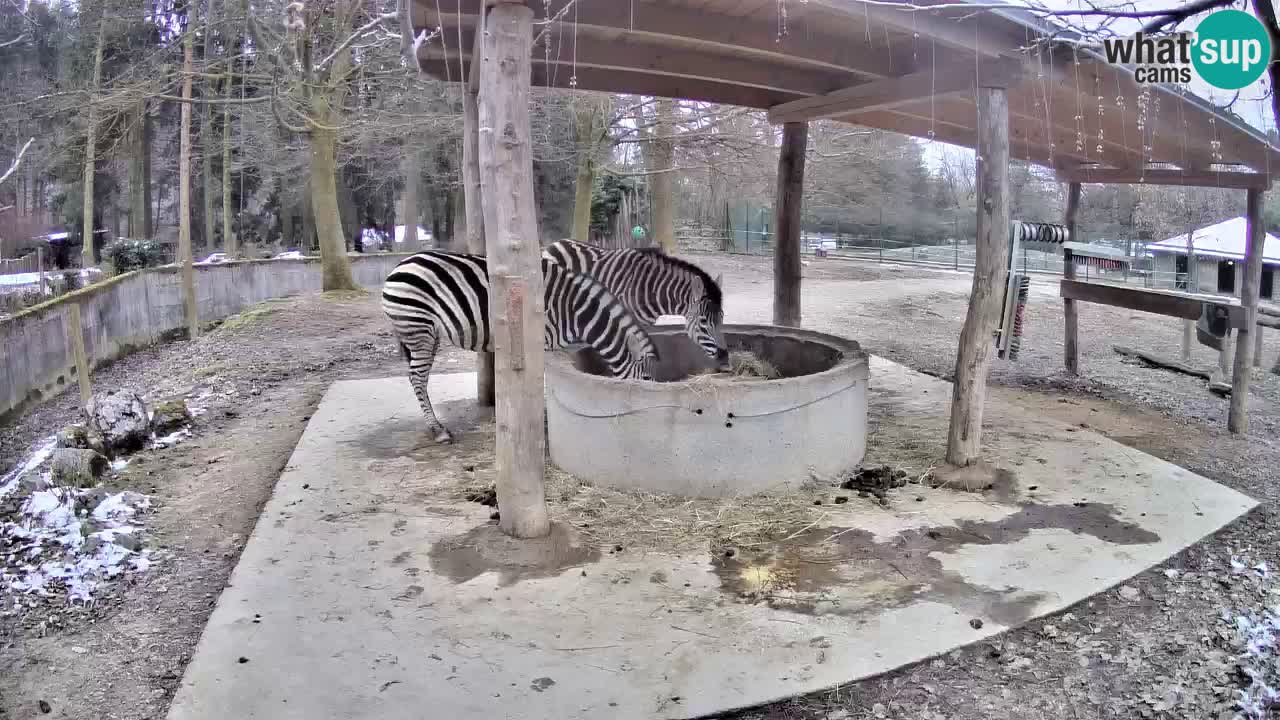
[(991, 80)]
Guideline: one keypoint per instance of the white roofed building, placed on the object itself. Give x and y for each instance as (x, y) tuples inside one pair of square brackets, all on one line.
[(1219, 251)]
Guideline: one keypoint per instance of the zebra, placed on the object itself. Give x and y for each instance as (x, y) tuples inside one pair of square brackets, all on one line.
[(435, 293), (652, 283)]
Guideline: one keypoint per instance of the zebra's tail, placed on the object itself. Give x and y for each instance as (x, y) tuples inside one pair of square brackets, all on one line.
[(404, 350)]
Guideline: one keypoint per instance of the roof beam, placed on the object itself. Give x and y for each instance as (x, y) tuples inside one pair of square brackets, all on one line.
[(625, 82), (692, 27), (953, 32), (891, 92), (631, 55), (1165, 176)]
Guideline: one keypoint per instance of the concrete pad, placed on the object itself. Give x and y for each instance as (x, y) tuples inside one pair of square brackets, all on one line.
[(361, 594)]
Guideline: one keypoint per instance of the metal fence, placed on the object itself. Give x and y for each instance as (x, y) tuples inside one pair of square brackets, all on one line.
[(954, 255)]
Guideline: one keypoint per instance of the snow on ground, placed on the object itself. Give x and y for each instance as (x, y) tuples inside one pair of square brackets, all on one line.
[(60, 540), (18, 282)]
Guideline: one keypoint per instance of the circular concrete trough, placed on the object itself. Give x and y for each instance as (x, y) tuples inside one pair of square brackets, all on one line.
[(712, 439)]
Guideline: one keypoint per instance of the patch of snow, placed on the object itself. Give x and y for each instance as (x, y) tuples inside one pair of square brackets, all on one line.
[(172, 438), (120, 506), (38, 455), (1257, 642), (118, 465), (45, 546)]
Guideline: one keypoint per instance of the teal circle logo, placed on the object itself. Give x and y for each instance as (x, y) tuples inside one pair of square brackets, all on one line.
[(1232, 49)]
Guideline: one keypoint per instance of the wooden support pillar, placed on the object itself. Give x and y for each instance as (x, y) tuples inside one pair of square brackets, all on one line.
[(789, 204), (515, 268), (1070, 311), (473, 207), (973, 357), (1250, 284)]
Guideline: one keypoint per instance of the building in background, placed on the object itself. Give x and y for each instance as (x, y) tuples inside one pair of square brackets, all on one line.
[(1219, 253)]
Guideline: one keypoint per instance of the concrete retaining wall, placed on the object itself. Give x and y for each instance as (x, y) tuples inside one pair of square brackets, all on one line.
[(142, 308)]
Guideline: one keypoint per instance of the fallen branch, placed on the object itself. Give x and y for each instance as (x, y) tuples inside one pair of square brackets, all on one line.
[(1157, 361), (16, 162)]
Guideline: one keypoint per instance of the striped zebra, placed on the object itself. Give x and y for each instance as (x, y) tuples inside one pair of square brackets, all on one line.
[(437, 294), (652, 283)]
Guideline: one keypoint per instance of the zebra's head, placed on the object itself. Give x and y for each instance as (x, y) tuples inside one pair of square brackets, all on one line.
[(705, 324)]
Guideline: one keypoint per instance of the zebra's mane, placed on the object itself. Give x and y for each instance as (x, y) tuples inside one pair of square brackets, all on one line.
[(714, 296)]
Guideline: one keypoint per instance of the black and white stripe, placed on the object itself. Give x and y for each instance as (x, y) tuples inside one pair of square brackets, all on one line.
[(434, 295), (651, 284)]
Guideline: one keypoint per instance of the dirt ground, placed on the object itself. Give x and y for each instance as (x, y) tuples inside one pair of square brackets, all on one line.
[(1154, 651)]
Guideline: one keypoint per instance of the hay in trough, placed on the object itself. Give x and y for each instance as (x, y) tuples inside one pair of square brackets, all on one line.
[(744, 366)]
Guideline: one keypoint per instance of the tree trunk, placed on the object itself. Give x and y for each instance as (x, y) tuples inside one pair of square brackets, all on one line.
[(335, 266), (471, 202), (138, 216), (148, 209), (230, 242), (515, 272), (184, 186), (789, 204), (662, 161), (588, 120), (410, 168), (91, 148), (973, 357), (206, 140)]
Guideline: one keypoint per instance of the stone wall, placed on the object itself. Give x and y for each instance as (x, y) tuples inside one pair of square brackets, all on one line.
[(142, 308)]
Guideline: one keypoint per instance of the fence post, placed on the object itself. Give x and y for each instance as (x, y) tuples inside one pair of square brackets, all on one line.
[(75, 333), (955, 246), (40, 269)]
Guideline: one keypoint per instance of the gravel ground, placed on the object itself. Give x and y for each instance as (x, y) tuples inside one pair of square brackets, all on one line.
[(1155, 648)]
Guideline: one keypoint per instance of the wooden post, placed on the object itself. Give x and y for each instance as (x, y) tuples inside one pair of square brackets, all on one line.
[(515, 267), (75, 333), (1070, 311), (40, 269), (472, 205), (1238, 416), (1193, 286), (973, 357), (789, 201)]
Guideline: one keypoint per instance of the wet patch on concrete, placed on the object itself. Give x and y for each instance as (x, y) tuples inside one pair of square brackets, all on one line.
[(487, 549), (802, 575), (406, 436)]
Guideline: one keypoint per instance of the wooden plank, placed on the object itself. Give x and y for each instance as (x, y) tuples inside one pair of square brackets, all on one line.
[(474, 209), (789, 204), (1166, 176), (1070, 313), (515, 269), (75, 333), (1149, 300), (677, 26), (973, 357), (1238, 415), (629, 53), (631, 83), (887, 93)]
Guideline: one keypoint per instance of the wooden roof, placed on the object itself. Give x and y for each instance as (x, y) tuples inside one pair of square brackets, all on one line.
[(879, 66)]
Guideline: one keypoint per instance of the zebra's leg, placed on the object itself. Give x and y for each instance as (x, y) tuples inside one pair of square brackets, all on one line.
[(422, 354)]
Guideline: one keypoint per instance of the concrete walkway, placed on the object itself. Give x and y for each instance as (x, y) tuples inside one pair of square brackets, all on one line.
[(363, 594)]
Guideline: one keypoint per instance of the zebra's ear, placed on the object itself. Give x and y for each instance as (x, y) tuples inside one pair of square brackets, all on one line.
[(720, 280)]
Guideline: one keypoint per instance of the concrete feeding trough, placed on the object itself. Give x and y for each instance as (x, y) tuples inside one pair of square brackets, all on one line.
[(712, 437)]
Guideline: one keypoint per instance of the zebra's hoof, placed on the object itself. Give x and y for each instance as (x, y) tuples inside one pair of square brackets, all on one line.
[(444, 438)]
